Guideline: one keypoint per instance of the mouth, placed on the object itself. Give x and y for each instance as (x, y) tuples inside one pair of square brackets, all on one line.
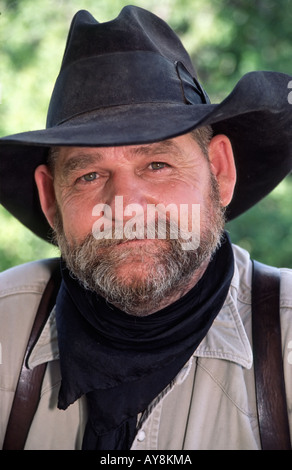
[(136, 248), (137, 243)]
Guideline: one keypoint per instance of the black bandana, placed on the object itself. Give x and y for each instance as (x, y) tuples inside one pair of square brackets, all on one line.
[(122, 362)]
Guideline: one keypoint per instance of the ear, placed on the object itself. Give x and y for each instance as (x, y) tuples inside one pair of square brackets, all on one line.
[(223, 166), (45, 185)]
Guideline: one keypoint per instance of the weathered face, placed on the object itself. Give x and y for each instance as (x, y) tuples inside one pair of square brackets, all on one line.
[(114, 188)]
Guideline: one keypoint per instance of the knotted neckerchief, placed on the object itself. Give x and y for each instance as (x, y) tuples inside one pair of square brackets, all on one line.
[(122, 362)]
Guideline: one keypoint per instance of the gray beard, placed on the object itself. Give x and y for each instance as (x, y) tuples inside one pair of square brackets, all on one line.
[(170, 268)]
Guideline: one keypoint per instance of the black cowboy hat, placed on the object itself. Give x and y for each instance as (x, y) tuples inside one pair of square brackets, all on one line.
[(130, 81)]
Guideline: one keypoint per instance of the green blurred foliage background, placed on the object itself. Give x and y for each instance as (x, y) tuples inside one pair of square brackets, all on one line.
[(226, 38)]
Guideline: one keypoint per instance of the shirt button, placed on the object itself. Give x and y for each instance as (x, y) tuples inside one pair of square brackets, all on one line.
[(141, 436)]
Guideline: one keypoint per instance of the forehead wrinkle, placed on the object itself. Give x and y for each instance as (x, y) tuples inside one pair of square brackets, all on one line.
[(164, 147)]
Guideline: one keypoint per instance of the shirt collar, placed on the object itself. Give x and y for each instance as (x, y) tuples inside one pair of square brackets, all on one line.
[(46, 348), (227, 338)]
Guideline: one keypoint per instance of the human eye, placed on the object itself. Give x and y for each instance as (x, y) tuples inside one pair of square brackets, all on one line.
[(89, 177), (158, 166)]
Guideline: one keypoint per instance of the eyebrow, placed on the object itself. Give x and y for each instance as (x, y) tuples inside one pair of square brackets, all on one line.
[(163, 147), (80, 161)]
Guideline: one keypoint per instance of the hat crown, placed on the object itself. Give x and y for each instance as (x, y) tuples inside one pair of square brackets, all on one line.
[(134, 59), (135, 29)]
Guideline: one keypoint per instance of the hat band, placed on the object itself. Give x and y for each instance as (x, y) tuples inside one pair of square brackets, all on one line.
[(123, 78)]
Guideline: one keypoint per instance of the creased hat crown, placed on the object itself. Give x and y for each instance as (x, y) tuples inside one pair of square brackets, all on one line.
[(134, 59), (134, 29)]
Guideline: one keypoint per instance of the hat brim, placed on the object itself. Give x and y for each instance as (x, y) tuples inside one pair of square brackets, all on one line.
[(256, 116)]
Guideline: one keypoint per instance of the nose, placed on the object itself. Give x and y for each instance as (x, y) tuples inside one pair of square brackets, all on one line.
[(126, 192)]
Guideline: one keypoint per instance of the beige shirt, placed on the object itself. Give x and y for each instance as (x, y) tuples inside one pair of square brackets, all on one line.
[(210, 404)]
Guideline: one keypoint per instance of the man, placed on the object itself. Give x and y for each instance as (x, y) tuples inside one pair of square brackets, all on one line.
[(148, 343)]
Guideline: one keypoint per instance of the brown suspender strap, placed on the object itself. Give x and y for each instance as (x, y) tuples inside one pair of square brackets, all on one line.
[(28, 389), (268, 359)]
